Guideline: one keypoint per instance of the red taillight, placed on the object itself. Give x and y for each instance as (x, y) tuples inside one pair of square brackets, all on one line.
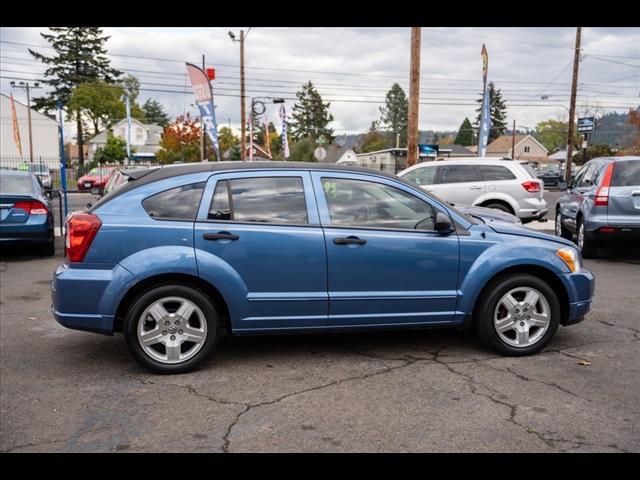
[(602, 194), (531, 186), (81, 230), (32, 207)]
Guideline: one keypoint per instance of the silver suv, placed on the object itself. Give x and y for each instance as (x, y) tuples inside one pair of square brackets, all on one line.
[(505, 185), (602, 204)]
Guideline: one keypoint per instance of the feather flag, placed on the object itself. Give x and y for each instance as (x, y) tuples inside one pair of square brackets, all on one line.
[(204, 100), (16, 129), (285, 141), (485, 115)]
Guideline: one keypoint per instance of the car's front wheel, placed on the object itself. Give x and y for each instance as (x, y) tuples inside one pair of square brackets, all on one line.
[(518, 315), (171, 328)]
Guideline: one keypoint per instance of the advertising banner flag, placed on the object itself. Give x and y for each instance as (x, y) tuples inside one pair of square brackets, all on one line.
[(16, 129), (485, 115), (204, 100), (285, 141), (128, 107)]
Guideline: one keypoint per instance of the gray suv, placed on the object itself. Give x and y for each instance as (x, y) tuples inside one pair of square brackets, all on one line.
[(602, 204)]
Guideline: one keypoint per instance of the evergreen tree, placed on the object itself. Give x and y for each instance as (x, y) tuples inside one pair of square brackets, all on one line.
[(465, 134), (394, 115), (311, 116), (80, 58), (373, 140), (498, 113), (154, 113)]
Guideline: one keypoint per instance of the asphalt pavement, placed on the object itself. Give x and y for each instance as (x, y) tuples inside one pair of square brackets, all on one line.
[(411, 391)]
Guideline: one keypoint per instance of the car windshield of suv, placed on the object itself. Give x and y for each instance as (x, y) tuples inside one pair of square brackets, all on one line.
[(15, 185)]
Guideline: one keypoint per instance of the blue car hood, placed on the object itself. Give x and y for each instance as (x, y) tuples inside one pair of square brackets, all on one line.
[(525, 232)]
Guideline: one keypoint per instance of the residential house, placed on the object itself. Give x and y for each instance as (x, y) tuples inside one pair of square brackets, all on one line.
[(145, 138), (526, 148), (339, 153), (44, 133), (454, 151)]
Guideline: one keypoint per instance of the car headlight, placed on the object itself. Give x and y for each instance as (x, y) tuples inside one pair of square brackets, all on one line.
[(570, 257)]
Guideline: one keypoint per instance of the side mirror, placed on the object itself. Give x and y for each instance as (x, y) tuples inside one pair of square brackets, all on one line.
[(443, 223)]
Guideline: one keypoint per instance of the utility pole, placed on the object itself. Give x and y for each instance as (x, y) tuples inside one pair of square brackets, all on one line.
[(202, 139), (414, 97), (28, 88), (572, 109), (242, 106), (513, 141)]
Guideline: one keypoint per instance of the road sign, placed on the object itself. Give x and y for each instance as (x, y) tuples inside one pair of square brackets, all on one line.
[(320, 154), (321, 140), (586, 124)]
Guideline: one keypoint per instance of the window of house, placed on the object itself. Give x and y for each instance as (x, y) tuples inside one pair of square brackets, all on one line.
[(180, 203), (527, 149)]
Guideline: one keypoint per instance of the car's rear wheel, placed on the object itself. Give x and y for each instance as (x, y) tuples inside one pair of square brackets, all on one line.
[(561, 231), (588, 247), (171, 328), (499, 206), (518, 315)]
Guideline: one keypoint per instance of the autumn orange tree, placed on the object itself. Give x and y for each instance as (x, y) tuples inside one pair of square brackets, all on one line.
[(180, 141), (634, 122)]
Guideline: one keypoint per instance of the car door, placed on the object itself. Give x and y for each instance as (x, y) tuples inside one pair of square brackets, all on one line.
[(580, 187), (459, 183), (386, 264), (265, 227)]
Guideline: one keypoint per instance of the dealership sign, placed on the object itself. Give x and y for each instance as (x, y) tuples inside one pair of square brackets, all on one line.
[(586, 124)]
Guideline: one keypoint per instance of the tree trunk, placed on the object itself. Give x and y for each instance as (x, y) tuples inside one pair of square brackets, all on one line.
[(80, 141)]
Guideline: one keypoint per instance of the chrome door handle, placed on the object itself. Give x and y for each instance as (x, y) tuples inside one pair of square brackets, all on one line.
[(220, 236), (475, 187), (349, 240)]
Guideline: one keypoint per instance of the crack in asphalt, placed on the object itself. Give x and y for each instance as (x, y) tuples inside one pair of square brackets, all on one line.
[(34, 444), (636, 332)]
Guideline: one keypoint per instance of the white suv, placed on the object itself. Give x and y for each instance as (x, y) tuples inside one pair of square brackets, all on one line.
[(505, 185)]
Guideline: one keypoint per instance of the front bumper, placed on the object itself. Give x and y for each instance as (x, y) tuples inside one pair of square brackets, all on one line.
[(580, 288)]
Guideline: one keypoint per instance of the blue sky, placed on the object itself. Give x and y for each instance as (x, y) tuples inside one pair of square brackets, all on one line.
[(354, 67)]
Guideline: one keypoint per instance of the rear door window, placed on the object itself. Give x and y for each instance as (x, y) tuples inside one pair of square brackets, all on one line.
[(626, 174), (458, 174), (275, 200), (422, 176), (180, 203), (492, 173)]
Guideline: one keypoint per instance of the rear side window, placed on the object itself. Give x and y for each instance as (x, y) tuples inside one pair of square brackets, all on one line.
[(626, 174), (180, 203), (278, 200), (458, 173), (530, 170), (495, 172)]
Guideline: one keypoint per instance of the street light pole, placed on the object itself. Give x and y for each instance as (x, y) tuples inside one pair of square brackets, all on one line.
[(243, 120), (28, 87)]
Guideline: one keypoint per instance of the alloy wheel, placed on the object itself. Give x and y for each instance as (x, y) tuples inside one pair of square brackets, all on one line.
[(522, 316)]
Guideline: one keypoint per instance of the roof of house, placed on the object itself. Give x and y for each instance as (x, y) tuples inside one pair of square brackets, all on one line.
[(562, 155), (503, 143)]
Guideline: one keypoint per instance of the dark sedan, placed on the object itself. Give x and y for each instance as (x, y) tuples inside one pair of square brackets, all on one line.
[(25, 212)]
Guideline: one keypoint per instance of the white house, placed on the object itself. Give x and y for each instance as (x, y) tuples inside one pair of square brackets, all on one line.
[(144, 137), (526, 148), (44, 132)]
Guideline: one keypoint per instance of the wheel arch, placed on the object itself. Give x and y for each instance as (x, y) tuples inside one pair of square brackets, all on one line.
[(504, 201), (535, 270), (172, 278)]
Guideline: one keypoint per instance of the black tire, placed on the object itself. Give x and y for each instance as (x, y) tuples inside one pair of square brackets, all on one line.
[(171, 290), (484, 312), (560, 229), (50, 247), (499, 206), (589, 247)]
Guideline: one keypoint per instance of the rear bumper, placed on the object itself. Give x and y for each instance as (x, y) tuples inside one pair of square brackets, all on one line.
[(580, 288), (621, 234), (532, 209), (87, 299), (37, 229)]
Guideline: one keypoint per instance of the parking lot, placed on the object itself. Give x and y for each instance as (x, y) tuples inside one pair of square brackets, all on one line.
[(429, 390)]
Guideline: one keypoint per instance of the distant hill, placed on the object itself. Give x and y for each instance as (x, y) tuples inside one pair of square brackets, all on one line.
[(425, 136), (612, 129)]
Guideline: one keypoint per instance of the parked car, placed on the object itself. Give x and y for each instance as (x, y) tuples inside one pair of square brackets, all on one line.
[(43, 173), (504, 185), (489, 215), (25, 212), (97, 178), (180, 255), (550, 176), (121, 176), (602, 204)]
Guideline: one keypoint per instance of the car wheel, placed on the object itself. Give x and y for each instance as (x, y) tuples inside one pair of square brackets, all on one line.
[(50, 247), (518, 316), (588, 248), (561, 231), (171, 328), (499, 206)]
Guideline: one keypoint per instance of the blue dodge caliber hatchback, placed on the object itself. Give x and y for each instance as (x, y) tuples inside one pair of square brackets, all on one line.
[(179, 255)]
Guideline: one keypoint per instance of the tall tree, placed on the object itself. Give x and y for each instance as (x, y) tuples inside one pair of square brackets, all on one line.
[(180, 141), (311, 116), (131, 88), (80, 57), (394, 115), (498, 113), (373, 140), (98, 101), (154, 113), (465, 134)]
